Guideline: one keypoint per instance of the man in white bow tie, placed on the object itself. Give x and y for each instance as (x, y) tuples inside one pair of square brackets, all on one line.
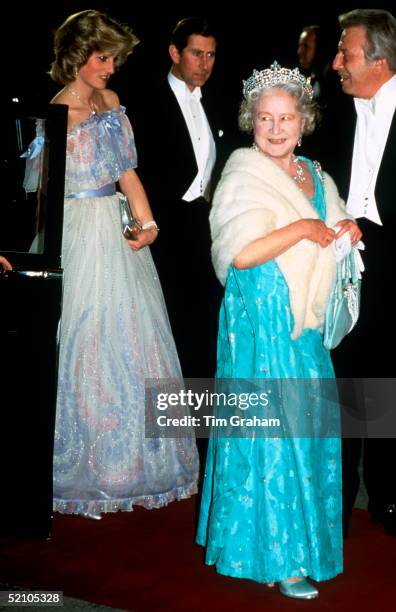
[(366, 64), (177, 136)]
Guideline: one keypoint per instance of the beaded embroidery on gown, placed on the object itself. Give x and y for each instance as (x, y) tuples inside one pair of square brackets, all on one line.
[(114, 334), (271, 507)]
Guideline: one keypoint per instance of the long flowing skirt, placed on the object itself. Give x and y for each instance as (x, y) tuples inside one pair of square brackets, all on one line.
[(114, 337), (271, 507)]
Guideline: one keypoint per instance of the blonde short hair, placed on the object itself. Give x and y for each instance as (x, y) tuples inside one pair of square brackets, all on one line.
[(84, 33)]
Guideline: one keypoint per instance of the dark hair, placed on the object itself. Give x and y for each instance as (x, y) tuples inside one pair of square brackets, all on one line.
[(380, 26), (84, 33), (316, 62), (187, 27), (325, 39)]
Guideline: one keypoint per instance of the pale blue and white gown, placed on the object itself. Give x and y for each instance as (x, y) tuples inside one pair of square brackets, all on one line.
[(271, 507), (114, 335)]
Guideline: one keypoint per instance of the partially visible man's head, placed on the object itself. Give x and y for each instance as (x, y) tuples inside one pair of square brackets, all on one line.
[(307, 45), (192, 50), (366, 56)]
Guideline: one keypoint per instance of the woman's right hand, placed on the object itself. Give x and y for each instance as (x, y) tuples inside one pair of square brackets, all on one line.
[(317, 231), (143, 238), (280, 240)]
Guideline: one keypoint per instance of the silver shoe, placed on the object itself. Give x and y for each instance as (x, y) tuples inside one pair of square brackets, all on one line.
[(299, 589), (96, 516)]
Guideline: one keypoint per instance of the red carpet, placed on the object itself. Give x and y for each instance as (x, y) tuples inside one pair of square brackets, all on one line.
[(147, 561)]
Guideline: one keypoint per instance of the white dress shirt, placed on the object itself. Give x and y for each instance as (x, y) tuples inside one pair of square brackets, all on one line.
[(374, 118), (200, 134)]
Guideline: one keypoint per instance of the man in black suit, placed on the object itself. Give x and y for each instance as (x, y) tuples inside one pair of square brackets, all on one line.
[(366, 64), (177, 135)]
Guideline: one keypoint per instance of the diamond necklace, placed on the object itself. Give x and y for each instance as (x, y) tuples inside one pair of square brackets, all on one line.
[(299, 177), (78, 97)]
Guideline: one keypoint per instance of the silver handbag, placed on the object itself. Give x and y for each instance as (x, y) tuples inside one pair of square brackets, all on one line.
[(130, 227), (343, 309)]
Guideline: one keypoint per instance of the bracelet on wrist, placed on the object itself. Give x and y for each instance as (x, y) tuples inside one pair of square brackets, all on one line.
[(149, 225)]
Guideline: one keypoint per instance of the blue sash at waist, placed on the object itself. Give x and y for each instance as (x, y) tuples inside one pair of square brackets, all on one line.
[(106, 190)]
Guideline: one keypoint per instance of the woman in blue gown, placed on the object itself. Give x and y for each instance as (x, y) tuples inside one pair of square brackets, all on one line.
[(271, 506), (115, 334)]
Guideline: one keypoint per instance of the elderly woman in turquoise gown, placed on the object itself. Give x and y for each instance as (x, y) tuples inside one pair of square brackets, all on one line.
[(271, 506)]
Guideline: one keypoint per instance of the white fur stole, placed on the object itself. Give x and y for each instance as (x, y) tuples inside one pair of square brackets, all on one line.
[(255, 197)]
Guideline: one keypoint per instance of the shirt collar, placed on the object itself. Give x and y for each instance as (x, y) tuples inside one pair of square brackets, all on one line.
[(386, 92), (181, 90), (364, 105)]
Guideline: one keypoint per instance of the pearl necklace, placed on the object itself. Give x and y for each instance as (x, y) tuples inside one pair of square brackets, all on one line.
[(78, 97), (299, 177)]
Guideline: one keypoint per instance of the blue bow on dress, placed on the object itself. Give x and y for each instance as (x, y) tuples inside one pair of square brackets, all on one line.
[(35, 148)]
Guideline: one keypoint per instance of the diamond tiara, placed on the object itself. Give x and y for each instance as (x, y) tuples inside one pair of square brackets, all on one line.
[(273, 76)]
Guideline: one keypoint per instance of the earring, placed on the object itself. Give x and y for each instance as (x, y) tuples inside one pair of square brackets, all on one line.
[(75, 72), (299, 142)]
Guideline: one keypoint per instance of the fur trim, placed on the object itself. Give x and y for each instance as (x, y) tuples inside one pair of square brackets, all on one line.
[(253, 198)]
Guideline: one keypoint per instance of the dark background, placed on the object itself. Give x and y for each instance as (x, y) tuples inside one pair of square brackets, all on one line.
[(250, 37)]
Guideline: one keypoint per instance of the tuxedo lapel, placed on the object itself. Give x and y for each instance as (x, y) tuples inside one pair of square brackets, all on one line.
[(177, 128), (212, 116), (349, 130), (340, 140), (179, 152), (385, 189), (209, 115), (346, 141)]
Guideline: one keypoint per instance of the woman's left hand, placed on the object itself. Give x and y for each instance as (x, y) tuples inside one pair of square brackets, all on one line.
[(143, 238), (347, 225)]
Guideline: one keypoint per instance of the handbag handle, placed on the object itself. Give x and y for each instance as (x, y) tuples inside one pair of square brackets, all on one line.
[(349, 268)]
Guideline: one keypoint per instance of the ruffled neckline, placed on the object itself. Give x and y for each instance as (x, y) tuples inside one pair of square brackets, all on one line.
[(97, 118)]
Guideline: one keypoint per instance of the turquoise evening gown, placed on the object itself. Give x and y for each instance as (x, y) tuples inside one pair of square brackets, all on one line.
[(271, 507)]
